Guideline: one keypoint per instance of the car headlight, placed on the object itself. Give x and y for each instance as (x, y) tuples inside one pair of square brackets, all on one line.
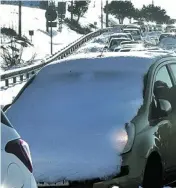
[(130, 129)]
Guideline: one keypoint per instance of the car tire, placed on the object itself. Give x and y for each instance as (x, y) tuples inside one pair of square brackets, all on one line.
[(153, 174)]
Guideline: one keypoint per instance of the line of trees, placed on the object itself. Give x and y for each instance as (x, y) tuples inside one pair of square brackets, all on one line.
[(122, 9), (125, 9)]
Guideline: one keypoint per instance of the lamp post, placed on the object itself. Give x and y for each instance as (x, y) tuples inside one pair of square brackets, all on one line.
[(101, 14), (19, 21), (107, 14)]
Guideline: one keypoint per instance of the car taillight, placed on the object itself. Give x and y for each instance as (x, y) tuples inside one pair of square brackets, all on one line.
[(21, 150)]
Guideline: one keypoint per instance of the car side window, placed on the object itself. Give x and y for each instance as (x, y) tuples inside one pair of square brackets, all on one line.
[(163, 76), (173, 68), (161, 90)]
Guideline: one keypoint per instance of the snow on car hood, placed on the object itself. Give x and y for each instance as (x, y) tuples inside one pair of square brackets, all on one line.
[(72, 113)]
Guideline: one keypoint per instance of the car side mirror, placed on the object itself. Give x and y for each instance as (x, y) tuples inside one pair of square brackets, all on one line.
[(165, 106)]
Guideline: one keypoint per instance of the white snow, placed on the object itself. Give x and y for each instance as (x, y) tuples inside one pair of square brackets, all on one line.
[(71, 111), (34, 19), (7, 95), (95, 45)]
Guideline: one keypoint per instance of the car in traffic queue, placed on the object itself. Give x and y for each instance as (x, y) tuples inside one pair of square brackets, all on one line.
[(167, 35), (120, 35), (115, 42), (136, 33)]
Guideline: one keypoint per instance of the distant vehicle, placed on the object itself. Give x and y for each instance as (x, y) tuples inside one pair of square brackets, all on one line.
[(173, 30), (115, 42), (129, 42), (159, 27), (125, 50), (120, 35), (132, 26), (119, 113), (169, 27), (135, 33), (16, 163), (132, 46), (166, 35)]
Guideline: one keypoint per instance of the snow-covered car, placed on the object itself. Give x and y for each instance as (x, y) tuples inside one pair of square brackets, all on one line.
[(159, 27), (133, 26), (125, 50), (132, 45), (101, 121), (120, 35), (136, 33), (129, 42), (168, 41), (169, 27), (115, 42), (166, 35), (173, 30), (16, 163)]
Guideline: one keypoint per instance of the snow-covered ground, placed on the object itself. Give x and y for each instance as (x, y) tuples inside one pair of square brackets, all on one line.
[(34, 19)]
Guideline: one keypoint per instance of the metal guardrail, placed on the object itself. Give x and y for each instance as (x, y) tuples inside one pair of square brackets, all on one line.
[(18, 76)]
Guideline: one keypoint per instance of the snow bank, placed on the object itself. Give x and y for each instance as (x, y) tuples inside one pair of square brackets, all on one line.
[(34, 19), (95, 45), (71, 112)]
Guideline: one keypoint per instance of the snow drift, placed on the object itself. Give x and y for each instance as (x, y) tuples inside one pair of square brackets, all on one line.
[(73, 112)]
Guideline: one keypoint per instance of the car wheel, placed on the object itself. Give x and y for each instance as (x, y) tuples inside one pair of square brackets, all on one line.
[(153, 175)]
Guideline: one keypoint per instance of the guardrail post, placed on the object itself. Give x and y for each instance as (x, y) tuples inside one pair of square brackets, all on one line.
[(6, 82), (27, 75), (21, 77), (14, 80)]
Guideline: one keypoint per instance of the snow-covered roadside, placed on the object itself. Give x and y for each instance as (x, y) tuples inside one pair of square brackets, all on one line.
[(34, 19)]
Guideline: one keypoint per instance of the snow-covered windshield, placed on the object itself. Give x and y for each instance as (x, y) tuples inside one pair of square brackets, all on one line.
[(79, 99)]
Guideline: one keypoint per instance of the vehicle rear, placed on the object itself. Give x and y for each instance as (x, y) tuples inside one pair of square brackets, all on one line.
[(115, 42), (118, 35), (169, 27), (16, 163), (135, 33)]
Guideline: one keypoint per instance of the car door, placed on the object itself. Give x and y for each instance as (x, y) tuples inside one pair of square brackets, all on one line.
[(165, 138)]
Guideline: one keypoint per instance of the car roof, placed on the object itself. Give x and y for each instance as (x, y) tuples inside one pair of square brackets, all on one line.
[(131, 29), (116, 34), (120, 39)]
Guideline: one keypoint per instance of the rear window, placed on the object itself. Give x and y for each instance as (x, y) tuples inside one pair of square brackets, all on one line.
[(5, 120), (166, 36), (133, 32)]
